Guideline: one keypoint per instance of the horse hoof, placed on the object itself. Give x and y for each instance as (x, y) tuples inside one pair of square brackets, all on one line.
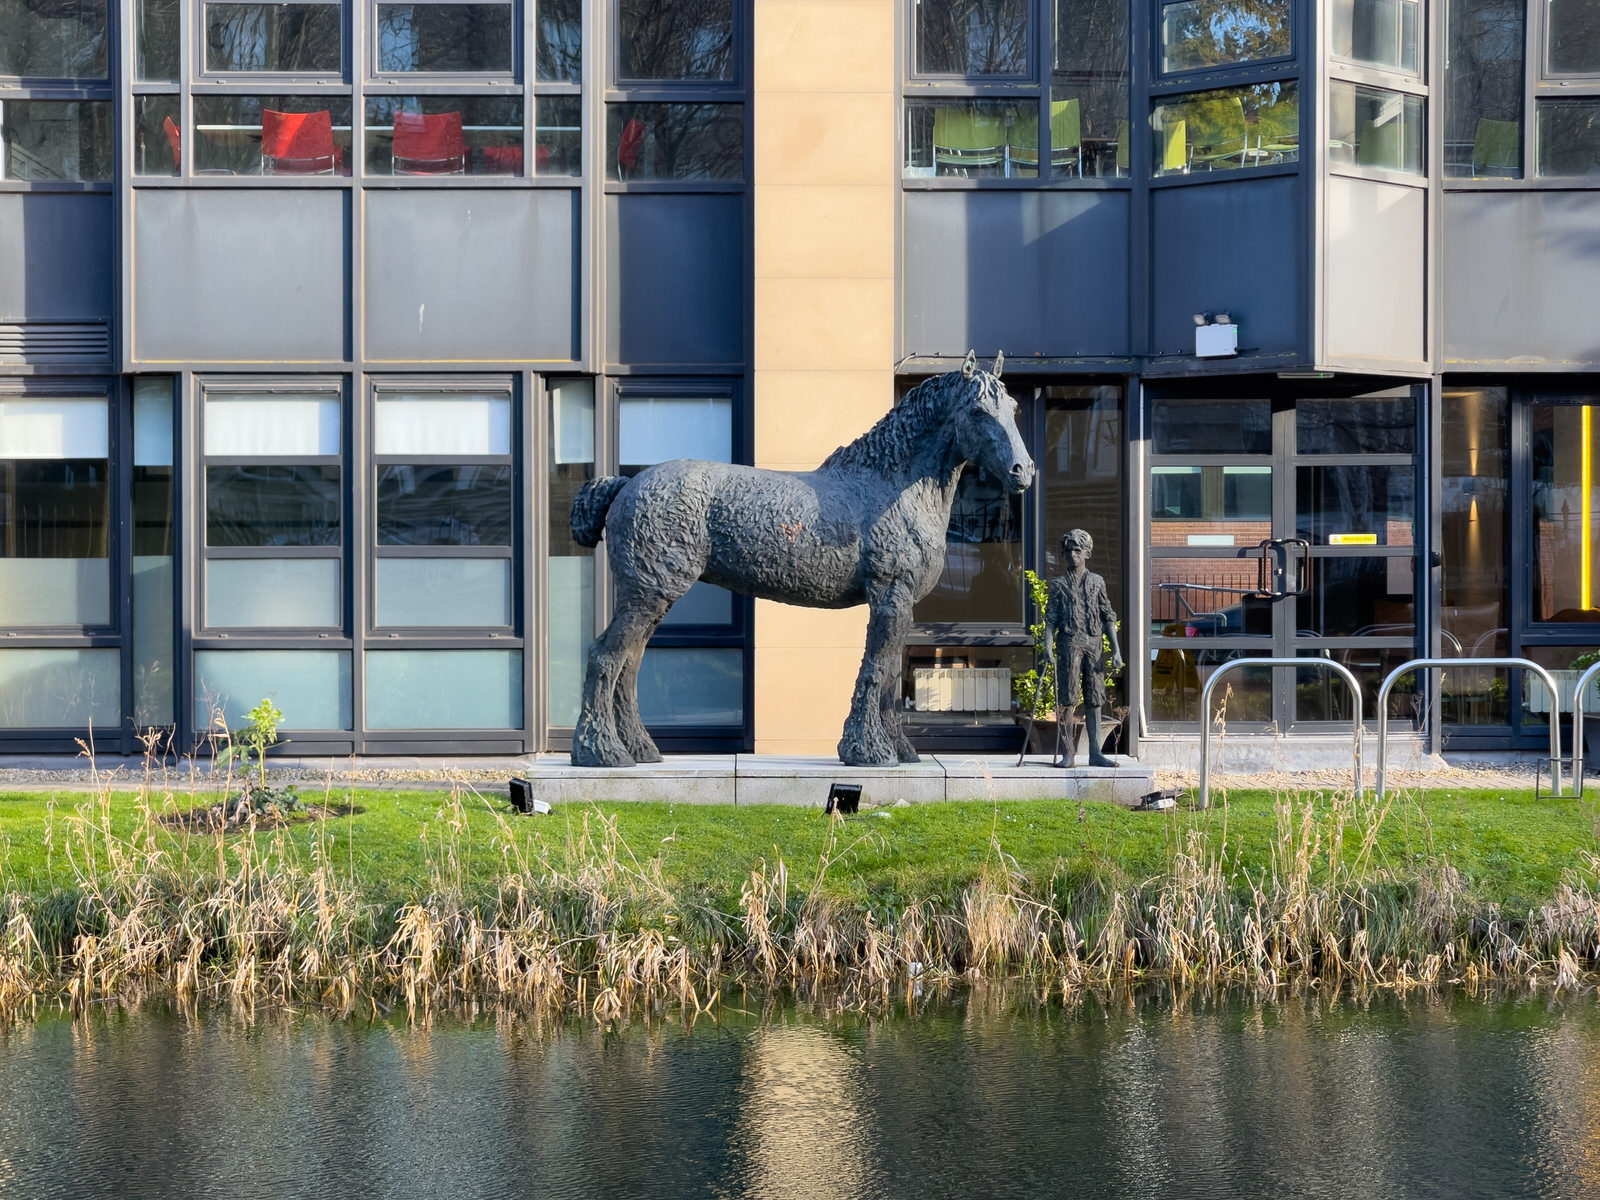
[(909, 756), (587, 755)]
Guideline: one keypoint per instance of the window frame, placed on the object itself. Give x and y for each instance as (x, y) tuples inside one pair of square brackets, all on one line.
[(736, 82), (1034, 21), (207, 635), (1581, 81), (259, 82), (372, 73), (1339, 63), (1159, 77)]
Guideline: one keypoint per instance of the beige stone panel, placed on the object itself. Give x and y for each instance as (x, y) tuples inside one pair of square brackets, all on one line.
[(803, 416), (836, 324), (824, 45), (823, 232), (802, 696), (797, 627), (824, 138)]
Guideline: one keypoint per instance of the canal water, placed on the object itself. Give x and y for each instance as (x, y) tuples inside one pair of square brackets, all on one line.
[(973, 1098)]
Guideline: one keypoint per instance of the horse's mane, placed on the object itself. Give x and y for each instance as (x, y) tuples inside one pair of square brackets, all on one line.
[(895, 438)]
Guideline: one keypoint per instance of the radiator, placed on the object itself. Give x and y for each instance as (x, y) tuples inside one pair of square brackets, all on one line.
[(961, 689)]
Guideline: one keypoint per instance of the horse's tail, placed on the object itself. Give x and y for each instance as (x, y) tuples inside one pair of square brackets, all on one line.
[(590, 505)]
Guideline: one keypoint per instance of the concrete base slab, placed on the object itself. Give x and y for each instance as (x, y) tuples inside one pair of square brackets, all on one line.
[(679, 779), (1264, 753), (979, 777), (781, 779)]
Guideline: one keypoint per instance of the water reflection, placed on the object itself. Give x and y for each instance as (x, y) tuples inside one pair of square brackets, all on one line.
[(1303, 1098)]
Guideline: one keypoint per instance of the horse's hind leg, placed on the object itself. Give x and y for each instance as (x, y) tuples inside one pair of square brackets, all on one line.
[(630, 727), (597, 742), (892, 723)]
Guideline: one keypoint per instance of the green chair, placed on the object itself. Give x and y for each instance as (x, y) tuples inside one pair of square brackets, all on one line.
[(1496, 149), (1173, 138), (1066, 139), (1381, 145), (964, 139), (1228, 138), (1123, 160)]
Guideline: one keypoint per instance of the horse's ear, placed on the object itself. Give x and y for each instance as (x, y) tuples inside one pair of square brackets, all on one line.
[(999, 364), (971, 365)]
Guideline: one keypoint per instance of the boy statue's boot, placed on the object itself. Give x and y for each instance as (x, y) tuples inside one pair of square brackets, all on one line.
[(1091, 719)]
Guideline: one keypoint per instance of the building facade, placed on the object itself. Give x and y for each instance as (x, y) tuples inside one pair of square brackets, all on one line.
[(314, 314)]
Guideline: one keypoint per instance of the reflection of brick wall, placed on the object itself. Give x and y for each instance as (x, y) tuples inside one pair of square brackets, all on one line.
[(1176, 533), (1212, 572)]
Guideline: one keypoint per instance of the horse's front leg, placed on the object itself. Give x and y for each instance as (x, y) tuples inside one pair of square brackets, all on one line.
[(867, 740)]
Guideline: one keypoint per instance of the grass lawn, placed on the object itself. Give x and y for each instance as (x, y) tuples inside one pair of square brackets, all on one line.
[(1510, 848)]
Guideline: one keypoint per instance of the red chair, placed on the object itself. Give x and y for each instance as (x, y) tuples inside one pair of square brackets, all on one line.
[(628, 147), (175, 140), (297, 143), (505, 160), (429, 144)]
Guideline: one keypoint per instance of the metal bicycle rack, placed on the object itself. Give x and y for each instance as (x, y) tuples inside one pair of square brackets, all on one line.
[(1577, 728), (1205, 709), (1433, 664)]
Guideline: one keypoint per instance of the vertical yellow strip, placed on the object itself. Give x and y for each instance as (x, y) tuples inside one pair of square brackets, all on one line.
[(1586, 551)]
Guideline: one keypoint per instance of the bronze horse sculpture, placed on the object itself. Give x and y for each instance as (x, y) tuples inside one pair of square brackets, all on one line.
[(866, 527)]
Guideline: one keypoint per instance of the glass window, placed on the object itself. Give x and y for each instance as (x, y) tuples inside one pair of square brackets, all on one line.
[(655, 429), (444, 505), (558, 135), (60, 689), (571, 582), (272, 593), (1179, 674), (272, 426), (272, 135), (425, 593), (1321, 696), (1382, 33), (157, 134), (1573, 30), (55, 513), (56, 139), (972, 37), (1208, 597), (61, 39), (1356, 506), (153, 649), (694, 686), (1483, 89), (444, 135), (1227, 129), (445, 37), (1565, 512), (1371, 127), (442, 423), (286, 38), (558, 41), (444, 689), (1358, 425), (1199, 34), (1474, 525), (977, 139), (675, 141), (675, 39), (272, 504), (1089, 92), (1211, 426), (1360, 597), (155, 41), (311, 687), (1210, 506), (1568, 137)]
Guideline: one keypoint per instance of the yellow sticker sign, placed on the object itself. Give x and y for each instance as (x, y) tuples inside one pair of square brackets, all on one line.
[(1352, 539)]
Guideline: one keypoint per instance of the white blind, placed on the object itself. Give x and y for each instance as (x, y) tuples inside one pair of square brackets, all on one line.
[(655, 429), (272, 426), (443, 424), (572, 419), (51, 427)]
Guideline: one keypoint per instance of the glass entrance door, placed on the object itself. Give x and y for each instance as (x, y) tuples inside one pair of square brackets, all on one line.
[(1280, 528)]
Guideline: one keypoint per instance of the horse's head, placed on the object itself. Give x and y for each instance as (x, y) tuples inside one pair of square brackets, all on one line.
[(984, 423)]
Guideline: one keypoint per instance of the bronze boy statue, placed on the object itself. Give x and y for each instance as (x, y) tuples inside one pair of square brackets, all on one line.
[(1075, 618)]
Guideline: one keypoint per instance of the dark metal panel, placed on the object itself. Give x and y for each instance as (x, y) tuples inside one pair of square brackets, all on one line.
[(56, 257), (1233, 247), (239, 276), (1519, 277), (1030, 273), (481, 275), (675, 278), (1375, 271)]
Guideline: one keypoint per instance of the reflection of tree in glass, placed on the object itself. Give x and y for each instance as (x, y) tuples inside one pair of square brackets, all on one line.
[(676, 39), (444, 37), (560, 40), (972, 37), (1483, 75), (1208, 33), (272, 37), (677, 141), (1574, 37), (1229, 121), (53, 39), (1092, 62)]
